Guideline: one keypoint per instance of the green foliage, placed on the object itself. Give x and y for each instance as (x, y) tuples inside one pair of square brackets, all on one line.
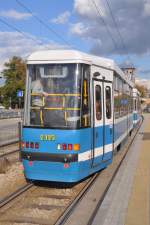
[(14, 73)]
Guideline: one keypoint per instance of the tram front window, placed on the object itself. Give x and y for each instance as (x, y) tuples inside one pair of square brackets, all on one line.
[(54, 98)]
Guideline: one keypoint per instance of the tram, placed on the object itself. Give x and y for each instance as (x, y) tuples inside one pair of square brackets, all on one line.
[(78, 111), (136, 107)]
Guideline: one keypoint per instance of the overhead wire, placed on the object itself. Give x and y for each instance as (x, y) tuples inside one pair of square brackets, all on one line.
[(43, 23), (119, 33), (21, 32), (105, 24), (59, 36)]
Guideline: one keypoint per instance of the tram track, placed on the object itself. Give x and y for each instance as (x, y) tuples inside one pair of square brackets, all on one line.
[(8, 153), (8, 149), (56, 201), (15, 194), (11, 142)]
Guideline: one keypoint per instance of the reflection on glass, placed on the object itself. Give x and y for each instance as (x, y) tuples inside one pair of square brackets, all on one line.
[(55, 95)]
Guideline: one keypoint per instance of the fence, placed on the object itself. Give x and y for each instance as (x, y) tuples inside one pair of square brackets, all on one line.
[(6, 114), (9, 131)]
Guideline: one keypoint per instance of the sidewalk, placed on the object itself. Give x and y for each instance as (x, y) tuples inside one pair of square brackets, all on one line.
[(138, 212), (127, 201)]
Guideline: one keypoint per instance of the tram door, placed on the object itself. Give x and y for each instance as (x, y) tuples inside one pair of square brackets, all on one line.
[(103, 121)]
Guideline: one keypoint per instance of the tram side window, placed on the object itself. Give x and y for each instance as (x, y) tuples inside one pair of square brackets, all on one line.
[(116, 104), (108, 102), (98, 102)]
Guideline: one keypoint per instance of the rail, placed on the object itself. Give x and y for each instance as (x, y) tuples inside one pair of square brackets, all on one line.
[(8, 153), (15, 194), (10, 142)]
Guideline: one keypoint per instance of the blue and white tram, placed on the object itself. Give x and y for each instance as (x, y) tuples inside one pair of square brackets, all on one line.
[(136, 107), (78, 110)]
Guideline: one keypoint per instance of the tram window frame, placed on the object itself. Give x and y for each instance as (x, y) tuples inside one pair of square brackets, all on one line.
[(98, 102), (108, 106), (85, 108), (116, 104), (130, 99)]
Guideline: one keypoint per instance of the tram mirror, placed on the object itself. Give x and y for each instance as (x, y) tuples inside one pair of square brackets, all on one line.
[(96, 74)]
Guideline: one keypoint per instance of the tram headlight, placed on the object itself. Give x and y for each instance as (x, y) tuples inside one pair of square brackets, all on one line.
[(22, 145), (36, 145), (31, 144), (64, 147), (69, 146), (59, 147), (76, 147), (27, 144)]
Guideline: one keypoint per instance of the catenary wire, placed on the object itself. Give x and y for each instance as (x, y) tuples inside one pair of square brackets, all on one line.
[(105, 24), (117, 28), (21, 32), (43, 23)]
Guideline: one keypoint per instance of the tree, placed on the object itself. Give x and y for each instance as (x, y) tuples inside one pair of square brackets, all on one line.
[(14, 74), (142, 89)]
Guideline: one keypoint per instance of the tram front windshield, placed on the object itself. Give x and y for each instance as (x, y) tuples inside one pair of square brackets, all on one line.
[(54, 95)]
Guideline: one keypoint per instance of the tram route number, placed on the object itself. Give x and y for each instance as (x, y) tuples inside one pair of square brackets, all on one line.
[(49, 137)]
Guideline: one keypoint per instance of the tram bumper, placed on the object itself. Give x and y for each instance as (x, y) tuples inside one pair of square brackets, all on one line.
[(51, 167)]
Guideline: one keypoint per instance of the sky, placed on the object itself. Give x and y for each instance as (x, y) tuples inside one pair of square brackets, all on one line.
[(116, 29)]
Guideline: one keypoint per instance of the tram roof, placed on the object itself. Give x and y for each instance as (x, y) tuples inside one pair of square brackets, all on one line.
[(70, 55), (73, 56)]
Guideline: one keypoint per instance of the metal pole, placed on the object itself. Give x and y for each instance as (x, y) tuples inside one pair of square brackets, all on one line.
[(19, 102), (20, 139), (10, 102)]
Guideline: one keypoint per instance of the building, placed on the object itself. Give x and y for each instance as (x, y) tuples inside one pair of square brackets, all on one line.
[(130, 73)]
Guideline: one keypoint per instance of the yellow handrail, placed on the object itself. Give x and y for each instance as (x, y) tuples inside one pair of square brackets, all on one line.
[(62, 95), (55, 108), (60, 108)]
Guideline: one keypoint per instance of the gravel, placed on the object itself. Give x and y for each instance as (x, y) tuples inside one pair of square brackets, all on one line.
[(12, 179)]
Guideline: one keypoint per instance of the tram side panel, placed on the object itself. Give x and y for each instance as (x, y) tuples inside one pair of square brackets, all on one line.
[(136, 107), (123, 119)]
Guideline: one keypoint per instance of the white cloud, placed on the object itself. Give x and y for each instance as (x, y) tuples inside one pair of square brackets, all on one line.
[(15, 44), (62, 18), (78, 29), (85, 8), (13, 14), (133, 23), (147, 9)]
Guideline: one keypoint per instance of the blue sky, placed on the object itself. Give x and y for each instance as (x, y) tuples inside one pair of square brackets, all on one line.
[(80, 25)]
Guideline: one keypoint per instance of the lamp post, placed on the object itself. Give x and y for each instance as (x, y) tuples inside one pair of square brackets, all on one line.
[(9, 102)]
